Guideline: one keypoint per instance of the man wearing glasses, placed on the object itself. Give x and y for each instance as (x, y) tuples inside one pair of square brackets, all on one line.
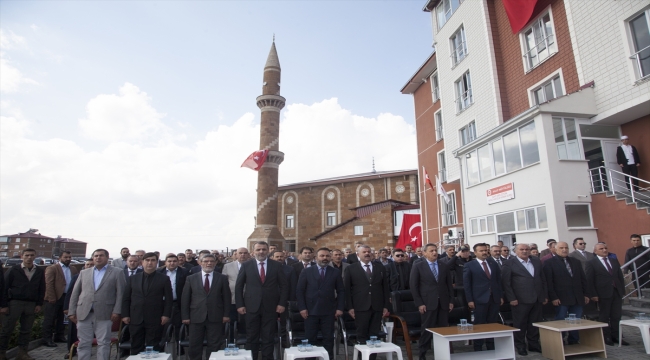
[(579, 244), (403, 269)]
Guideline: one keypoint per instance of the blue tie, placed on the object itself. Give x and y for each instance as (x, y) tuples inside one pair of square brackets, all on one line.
[(434, 271)]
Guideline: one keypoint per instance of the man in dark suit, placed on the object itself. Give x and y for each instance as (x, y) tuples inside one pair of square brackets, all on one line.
[(628, 159), (403, 268), (132, 266), (642, 263), (264, 280), (177, 277), (321, 299), (605, 285), (432, 291), (482, 283), (418, 255), (147, 305), (567, 286), (292, 280), (354, 257), (338, 261), (204, 307), (524, 285), (306, 256), (495, 254), (579, 244), (366, 294), (197, 268)]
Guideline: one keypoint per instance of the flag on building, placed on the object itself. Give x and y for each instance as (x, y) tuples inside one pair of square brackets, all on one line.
[(256, 160), (519, 13), (426, 179), (411, 232), (441, 191)]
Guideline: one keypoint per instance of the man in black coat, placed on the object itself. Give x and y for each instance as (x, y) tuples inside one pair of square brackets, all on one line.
[(292, 280), (147, 305), (628, 159), (524, 285), (177, 276), (366, 294), (306, 256), (432, 292), (354, 257), (321, 299), (267, 291), (456, 263), (567, 286), (642, 263), (605, 285), (132, 266), (403, 268)]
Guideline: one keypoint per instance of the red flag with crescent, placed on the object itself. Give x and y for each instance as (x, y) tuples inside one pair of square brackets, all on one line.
[(256, 160), (411, 233), (427, 179)]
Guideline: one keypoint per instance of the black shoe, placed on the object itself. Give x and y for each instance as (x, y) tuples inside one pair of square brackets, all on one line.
[(522, 352), (60, 339), (67, 356), (535, 349), (609, 342), (623, 342), (48, 343)]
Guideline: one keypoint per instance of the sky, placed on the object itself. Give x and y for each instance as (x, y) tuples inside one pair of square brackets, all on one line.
[(124, 123)]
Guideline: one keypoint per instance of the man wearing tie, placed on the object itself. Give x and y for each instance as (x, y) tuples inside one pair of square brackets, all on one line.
[(132, 266), (306, 256), (177, 277), (366, 294), (204, 307), (579, 244), (267, 291), (147, 305), (57, 284), (495, 254), (482, 283), (432, 290), (321, 299), (605, 285)]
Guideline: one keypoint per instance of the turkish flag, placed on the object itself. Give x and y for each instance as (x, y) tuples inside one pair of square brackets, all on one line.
[(256, 160), (411, 233), (426, 178), (519, 12)]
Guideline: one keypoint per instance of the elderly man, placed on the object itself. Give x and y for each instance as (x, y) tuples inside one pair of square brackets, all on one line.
[(627, 158), (231, 270), (551, 247), (550, 244), (57, 285), (495, 254), (505, 253), (198, 268)]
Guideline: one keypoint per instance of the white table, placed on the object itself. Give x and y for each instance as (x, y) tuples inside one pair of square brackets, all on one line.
[(504, 342), (293, 353), (644, 327), (242, 355), (366, 351), (161, 356)]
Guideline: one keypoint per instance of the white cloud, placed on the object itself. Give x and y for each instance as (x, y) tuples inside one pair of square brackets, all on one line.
[(9, 40), (34, 27), (11, 77), (168, 196)]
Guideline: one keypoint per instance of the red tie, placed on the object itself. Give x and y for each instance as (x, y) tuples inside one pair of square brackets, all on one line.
[(206, 284), (262, 273), (305, 265), (609, 268), (485, 268)]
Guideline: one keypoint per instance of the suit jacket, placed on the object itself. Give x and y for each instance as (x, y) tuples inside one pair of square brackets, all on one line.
[(299, 266), (119, 263), (68, 295), (583, 258), (415, 258), (320, 297), (393, 281), (601, 283), (231, 270), (570, 290), (544, 252), (622, 160), (363, 294), (274, 291), (352, 258), (344, 266), (104, 301), (150, 304), (126, 272), (55, 282), (197, 306), (289, 261), (519, 285), (181, 278), (500, 259), (426, 290), (198, 269), (292, 280), (478, 288)]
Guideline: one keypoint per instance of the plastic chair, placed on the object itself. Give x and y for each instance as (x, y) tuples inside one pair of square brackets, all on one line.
[(116, 326)]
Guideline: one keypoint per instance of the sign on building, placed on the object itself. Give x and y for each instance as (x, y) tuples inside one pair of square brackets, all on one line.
[(501, 193)]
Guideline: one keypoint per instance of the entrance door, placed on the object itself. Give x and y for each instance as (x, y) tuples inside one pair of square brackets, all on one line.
[(617, 182), (508, 240)]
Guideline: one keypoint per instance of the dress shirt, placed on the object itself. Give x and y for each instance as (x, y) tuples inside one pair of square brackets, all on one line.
[(435, 265), (363, 265), (627, 149), (266, 266), (528, 265), (602, 261), (67, 275), (487, 264), (306, 265), (172, 278), (582, 252), (238, 265), (98, 275), (322, 268), (210, 277), (29, 272)]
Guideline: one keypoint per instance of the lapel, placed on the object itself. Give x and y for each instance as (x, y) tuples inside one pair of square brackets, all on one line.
[(425, 265), (522, 269), (106, 274)]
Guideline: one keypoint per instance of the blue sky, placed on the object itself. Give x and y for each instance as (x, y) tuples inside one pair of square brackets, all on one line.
[(135, 115)]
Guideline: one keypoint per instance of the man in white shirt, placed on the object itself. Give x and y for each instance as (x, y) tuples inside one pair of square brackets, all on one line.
[(628, 159), (177, 276)]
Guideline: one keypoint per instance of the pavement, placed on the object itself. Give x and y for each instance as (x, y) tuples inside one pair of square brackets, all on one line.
[(635, 351)]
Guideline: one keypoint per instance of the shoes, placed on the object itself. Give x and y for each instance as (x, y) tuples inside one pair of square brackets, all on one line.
[(609, 342), (522, 352), (535, 349), (60, 339), (623, 342), (48, 343), (67, 356)]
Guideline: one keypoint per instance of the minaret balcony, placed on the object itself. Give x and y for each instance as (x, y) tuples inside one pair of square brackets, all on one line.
[(275, 101)]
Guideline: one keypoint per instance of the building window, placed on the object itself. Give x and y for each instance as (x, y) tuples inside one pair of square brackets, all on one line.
[(439, 134), (16, 246), (358, 230), (513, 151), (4, 247), (289, 222), (445, 9), (482, 225), (548, 91), (539, 41), (464, 96), (467, 133), (17, 240), (331, 218), (458, 47), (529, 219), (4, 239), (578, 215), (442, 167), (640, 33), (449, 210), (435, 88), (291, 245), (566, 139)]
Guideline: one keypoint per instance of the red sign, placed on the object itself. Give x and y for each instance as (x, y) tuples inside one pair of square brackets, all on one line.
[(501, 193)]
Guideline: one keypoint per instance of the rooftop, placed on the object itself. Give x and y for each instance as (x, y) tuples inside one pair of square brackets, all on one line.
[(349, 178)]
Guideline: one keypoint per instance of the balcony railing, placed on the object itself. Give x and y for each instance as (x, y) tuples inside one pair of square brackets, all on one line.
[(439, 134), (464, 101), (638, 57), (436, 94), (442, 175), (449, 218), (459, 53), (539, 52), (618, 183), (635, 272)]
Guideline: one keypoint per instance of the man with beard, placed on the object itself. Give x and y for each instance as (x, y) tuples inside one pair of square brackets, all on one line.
[(292, 279), (403, 269), (182, 263), (321, 298), (306, 256), (495, 254), (132, 266), (57, 284), (121, 262)]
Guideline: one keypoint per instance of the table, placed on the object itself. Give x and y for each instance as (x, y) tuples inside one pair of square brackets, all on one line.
[(221, 355), (591, 338), (504, 342), (385, 347), (293, 353), (161, 356), (644, 327)]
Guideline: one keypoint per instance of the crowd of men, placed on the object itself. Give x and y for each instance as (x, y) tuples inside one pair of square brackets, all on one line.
[(148, 293)]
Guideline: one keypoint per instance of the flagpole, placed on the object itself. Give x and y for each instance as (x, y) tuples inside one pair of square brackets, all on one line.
[(439, 217), (424, 195)]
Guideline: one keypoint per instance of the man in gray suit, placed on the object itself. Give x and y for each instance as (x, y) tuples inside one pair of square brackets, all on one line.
[(204, 307), (121, 262), (524, 285), (579, 244), (95, 303)]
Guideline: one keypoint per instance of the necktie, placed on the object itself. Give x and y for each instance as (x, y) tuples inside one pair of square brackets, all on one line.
[(206, 284), (609, 268), (322, 273), (305, 265), (498, 261), (368, 270), (262, 273), (132, 272), (485, 268), (568, 267), (435, 272)]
